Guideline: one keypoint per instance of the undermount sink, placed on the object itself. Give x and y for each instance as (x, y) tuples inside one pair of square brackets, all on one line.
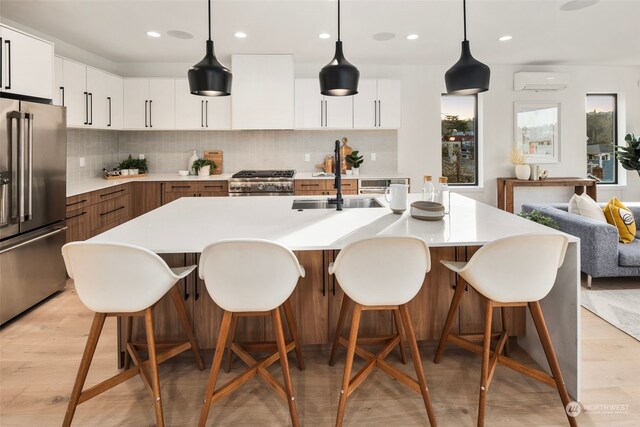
[(325, 204)]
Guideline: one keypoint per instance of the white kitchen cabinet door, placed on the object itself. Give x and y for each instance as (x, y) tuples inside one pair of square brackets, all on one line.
[(338, 112), (217, 112), (27, 65), (136, 103), (189, 108), (74, 82), (58, 88), (390, 104), (162, 104), (365, 107), (114, 101), (263, 92), (309, 104), (97, 98)]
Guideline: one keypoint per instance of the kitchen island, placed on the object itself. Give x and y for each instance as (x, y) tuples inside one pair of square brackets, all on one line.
[(181, 229)]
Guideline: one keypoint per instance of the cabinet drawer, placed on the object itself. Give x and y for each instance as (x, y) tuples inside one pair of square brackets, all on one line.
[(347, 185), (110, 212), (181, 187), (111, 193), (79, 201), (309, 185), (77, 222), (213, 186)]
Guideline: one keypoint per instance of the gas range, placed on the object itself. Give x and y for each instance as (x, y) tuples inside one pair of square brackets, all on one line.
[(262, 183)]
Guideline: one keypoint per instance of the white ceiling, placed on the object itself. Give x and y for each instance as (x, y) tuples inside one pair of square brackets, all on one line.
[(605, 33)]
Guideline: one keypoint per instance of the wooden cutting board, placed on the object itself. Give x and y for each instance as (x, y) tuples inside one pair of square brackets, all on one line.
[(216, 156)]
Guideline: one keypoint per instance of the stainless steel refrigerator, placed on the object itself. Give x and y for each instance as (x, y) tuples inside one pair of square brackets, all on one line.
[(33, 156)]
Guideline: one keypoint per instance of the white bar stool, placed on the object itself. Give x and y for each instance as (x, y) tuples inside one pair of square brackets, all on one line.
[(382, 273), (516, 271), (259, 288), (114, 279)]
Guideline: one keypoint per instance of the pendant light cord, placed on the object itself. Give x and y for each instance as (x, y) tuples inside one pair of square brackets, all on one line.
[(209, 19), (338, 20), (464, 14)]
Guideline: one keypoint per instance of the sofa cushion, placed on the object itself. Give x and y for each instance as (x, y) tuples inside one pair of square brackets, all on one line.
[(618, 215), (589, 208), (629, 254)]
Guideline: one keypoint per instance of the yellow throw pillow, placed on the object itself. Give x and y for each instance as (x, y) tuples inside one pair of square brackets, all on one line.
[(617, 214)]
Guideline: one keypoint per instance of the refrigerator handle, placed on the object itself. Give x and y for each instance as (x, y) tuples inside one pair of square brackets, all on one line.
[(14, 165), (21, 163), (29, 187)]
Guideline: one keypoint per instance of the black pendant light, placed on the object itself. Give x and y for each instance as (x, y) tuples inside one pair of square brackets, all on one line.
[(339, 77), (209, 77), (467, 76)]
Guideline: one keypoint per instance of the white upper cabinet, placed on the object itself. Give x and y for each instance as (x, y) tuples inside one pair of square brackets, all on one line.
[(263, 92), (149, 104), (201, 112), (93, 97), (26, 64), (377, 105), (315, 111)]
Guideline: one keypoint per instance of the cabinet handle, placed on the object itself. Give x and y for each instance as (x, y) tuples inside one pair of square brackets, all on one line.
[(321, 113), (309, 185), (146, 103), (326, 113), (91, 108), (195, 287), (214, 186), (375, 113), (150, 112), (206, 115), (62, 95), (186, 293), (109, 99), (1, 64), (112, 211), (76, 215), (76, 203), (379, 113), (202, 113), (112, 193), (8, 43), (86, 108), (180, 186)]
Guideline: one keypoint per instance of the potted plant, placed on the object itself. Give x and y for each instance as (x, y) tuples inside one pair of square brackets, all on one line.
[(127, 166), (629, 156), (355, 161), (203, 167), (523, 171), (141, 165), (540, 218)]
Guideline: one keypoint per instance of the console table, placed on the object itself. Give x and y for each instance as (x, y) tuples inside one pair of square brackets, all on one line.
[(506, 186)]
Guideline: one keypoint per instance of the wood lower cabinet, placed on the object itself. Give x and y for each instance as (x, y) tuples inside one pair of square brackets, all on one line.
[(145, 197), (174, 190), (324, 187)]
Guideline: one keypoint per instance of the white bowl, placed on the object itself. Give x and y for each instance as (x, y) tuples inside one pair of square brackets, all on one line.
[(427, 211), (183, 173)]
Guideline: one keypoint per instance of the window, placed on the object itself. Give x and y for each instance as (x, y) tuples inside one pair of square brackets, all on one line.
[(602, 135), (459, 145)]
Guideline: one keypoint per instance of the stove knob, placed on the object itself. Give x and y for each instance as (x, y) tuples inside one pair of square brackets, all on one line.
[(233, 187), (261, 186), (278, 187), (246, 187)]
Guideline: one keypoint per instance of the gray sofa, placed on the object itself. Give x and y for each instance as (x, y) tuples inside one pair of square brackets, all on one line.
[(601, 255)]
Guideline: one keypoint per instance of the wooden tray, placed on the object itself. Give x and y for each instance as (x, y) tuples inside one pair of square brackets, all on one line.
[(111, 178), (216, 157)]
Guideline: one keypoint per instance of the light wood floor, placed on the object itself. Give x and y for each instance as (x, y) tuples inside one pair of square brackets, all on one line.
[(40, 353)]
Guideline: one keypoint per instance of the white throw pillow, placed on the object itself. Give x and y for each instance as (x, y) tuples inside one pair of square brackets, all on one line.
[(589, 208), (573, 205)]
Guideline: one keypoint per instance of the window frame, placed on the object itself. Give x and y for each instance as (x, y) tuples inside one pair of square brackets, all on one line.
[(616, 163), (476, 134)]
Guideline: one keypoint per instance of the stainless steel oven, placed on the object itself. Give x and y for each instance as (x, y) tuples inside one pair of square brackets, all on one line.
[(262, 183), (378, 186)]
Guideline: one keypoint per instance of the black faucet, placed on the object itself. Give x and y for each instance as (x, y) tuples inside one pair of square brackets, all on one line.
[(338, 201)]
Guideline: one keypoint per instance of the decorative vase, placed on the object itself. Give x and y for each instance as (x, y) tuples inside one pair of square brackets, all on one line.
[(349, 171), (523, 171), (192, 159), (204, 170)]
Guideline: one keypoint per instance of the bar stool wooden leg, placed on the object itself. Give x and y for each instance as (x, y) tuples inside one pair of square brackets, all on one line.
[(398, 323), (344, 308), (486, 354), (547, 345), (187, 325), (417, 362), (231, 339), (450, 317), (351, 350), (151, 342), (85, 363), (503, 315), (284, 364), (129, 328), (215, 366), (291, 322)]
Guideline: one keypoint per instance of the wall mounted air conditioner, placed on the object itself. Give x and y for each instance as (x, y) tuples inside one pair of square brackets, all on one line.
[(538, 81)]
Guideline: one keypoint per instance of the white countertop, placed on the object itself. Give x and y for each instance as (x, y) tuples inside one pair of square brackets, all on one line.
[(188, 224), (94, 184)]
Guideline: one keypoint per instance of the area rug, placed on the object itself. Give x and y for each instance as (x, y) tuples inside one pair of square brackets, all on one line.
[(617, 301)]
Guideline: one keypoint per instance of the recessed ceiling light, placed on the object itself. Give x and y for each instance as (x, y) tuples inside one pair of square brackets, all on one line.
[(153, 34), (412, 36), (324, 35), (178, 34), (240, 35), (577, 4), (381, 37), (505, 38)]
